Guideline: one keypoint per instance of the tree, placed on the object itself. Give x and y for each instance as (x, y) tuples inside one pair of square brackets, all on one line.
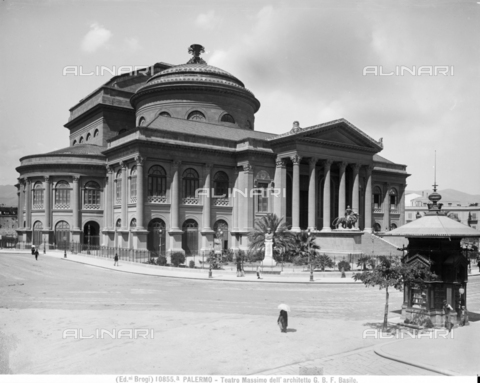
[(283, 239), (323, 260), (307, 249), (391, 272), (363, 261), (177, 258)]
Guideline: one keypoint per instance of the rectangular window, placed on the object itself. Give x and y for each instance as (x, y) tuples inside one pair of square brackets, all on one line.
[(262, 205), (38, 197), (376, 201), (393, 202), (62, 196), (118, 190), (92, 197)]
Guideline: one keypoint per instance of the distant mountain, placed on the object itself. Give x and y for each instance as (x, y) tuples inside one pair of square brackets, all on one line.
[(451, 195), (8, 195)]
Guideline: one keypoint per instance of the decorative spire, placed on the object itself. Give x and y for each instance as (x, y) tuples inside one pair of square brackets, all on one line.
[(435, 208), (296, 127), (195, 50)]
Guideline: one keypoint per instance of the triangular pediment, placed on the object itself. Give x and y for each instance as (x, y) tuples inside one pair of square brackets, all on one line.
[(336, 133)]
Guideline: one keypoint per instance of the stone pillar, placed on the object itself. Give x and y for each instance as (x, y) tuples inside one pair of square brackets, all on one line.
[(341, 190), (47, 203), (248, 213), (355, 191), (124, 205), (75, 203), (29, 197), (326, 197), (175, 232), (312, 193), (368, 200), (386, 207), (107, 199), (20, 195), (174, 195), (235, 200), (140, 193), (207, 232), (207, 198), (296, 193), (278, 198)]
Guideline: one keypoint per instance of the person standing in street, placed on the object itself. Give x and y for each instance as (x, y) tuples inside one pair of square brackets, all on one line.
[(116, 260), (36, 254), (283, 321), (447, 309)]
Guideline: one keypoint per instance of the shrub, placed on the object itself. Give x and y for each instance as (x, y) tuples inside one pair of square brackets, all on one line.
[(161, 260), (191, 264), (178, 258), (345, 265), (363, 261), (323, 260)]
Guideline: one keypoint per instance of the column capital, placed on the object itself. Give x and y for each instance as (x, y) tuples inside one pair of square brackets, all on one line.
[(208, 165), (327, 163), (296, 159), (369, 169), (28, 181), (139, 160), (176, 164), (247, 168), (109, 168), (123, 165), (355, 167), (47, 179), (76, 178), (279, 162), (313, 161), (21, 181), (342, 165)]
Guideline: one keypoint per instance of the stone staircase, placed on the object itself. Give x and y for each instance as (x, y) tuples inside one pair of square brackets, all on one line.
[(373, 244)]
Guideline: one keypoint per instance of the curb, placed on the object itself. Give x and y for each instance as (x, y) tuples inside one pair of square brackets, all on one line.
[(383, 354)]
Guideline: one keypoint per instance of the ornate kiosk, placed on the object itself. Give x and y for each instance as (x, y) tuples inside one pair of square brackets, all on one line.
[(434, 240)]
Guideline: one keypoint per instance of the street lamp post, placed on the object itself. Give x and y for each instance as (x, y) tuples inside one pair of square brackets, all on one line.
[(44, 244), (88, 250), (160, 231), (64, 246), (309, 259)]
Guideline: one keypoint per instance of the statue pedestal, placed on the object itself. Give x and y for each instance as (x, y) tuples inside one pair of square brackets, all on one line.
[(268, 260)]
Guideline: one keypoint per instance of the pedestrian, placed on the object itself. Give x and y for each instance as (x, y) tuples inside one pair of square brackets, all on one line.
[(33, 249), (258, 272), (447, 309), (36, 254), (478, 264), (283, 321), (116, 260)]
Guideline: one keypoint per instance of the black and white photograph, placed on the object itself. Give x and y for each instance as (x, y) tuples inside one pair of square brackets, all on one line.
[(239, 191)]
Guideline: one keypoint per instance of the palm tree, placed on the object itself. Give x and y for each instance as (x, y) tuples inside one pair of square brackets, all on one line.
[(307, 248), (283, 239)]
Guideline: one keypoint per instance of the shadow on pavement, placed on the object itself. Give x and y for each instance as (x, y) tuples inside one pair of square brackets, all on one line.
[(291, 330)]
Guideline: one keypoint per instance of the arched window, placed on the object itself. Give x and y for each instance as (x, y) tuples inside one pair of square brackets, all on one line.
[(37, 233), (221, 231), (118, 225), (377, 227), (393, 226), (190, 237), (190, 181), (157, 184), (164, 114), (133, 185), (62, 195), (118, 188), (62, 235), (156, 239), (133, 223), (38, 196), (96, 133), (228, 118), (88, 137), (377, 197), (393, 198), (196, 115), (91, 195), (74, 142), (80, 140), (142, 121), (220, 184)]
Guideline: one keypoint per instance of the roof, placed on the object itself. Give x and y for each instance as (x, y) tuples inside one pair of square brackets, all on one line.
[(378, 158), (80, 149), (431, 226), (206, 129)]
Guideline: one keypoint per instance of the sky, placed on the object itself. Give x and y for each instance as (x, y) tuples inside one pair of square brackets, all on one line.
[(306, 61)]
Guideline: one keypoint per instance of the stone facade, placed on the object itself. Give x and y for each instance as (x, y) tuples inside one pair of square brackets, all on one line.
[(163, 162)]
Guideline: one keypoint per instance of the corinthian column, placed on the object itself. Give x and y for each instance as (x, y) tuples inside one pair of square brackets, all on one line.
[(312, 193), (47, 203), (207, 198), (341, 190), (355, 191), (174, 196), (296, 193), (368, 200), (386, 207), (75, 203), (140, 193), (124, 205), (326, 197), (278, 198)]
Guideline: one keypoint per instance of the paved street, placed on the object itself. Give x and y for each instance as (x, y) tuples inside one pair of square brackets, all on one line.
[(200, 327)]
